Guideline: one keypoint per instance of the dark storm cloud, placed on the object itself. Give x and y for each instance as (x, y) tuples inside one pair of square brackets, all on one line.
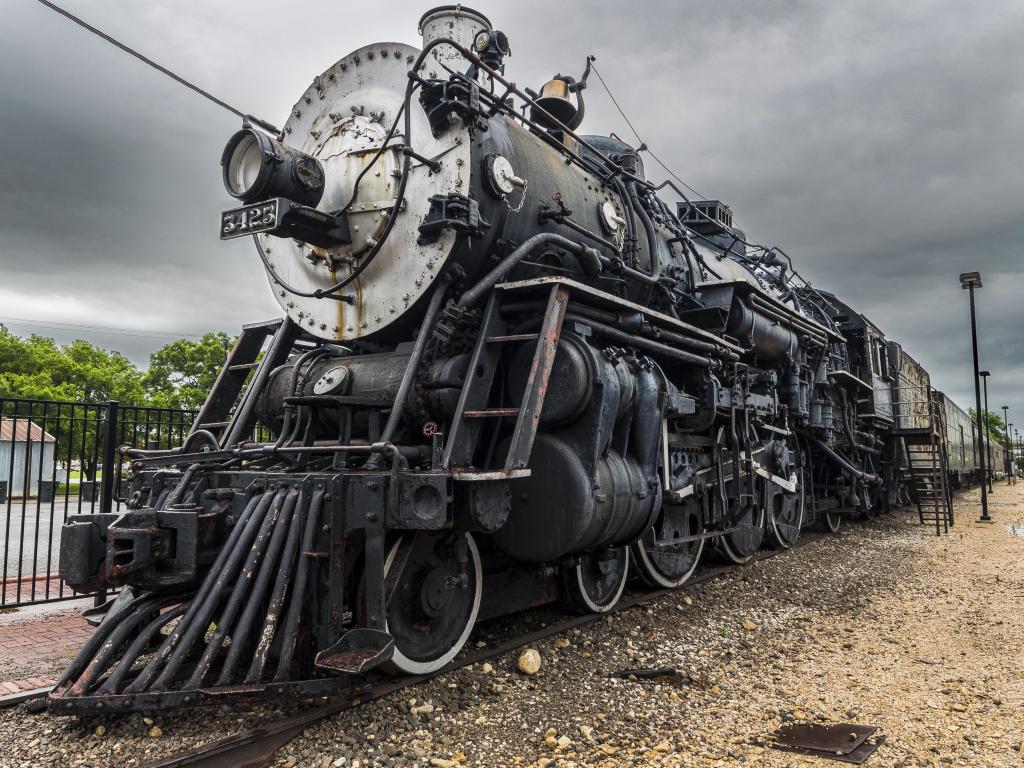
[(880, 144)]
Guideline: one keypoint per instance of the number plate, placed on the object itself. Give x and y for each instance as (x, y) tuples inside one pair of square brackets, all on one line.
[(250, 219)]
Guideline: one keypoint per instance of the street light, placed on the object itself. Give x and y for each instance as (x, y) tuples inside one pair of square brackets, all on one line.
[(1009, 443), (1020, 448), (969, 281), (988, 429)]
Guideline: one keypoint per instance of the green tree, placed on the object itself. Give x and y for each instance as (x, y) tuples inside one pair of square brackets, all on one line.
[(994, 426), (33, 368), (37, 368), (181, 373)]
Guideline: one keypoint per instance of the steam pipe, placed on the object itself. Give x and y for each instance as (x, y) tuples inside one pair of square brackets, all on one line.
[(799, 325), (867, 477), (614, 318), (492, 278), (426, 328), (641, 343), (652, 243)]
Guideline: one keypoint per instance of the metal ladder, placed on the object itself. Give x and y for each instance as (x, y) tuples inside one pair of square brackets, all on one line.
[(928, 468), (215, 416), (474, 406)]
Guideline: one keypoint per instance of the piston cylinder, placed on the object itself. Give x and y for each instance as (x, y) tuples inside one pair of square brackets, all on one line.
[(560, 508)]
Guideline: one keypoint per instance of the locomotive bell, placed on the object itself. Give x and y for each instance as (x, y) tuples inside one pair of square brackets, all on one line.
[(554, 99)]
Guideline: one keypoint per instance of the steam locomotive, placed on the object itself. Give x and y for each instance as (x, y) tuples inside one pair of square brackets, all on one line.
[(507, 373)]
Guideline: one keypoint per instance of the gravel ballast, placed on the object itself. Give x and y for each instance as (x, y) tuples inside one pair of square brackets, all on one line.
[(883, 624)]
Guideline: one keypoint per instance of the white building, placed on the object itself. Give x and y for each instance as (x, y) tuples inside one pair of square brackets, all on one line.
[(26, 456)]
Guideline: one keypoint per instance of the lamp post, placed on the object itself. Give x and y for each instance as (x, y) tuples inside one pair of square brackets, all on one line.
[(1009, 442), (1011, 466), (988, 431), (1017, 453), (969, 281)]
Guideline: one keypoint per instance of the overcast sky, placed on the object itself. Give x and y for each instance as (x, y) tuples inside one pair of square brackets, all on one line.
[(881, 144)]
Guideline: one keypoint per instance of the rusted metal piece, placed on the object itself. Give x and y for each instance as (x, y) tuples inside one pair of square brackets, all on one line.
[(124, 627), (649, 673), (357, 651), (847, 742), (14, 699), (537, 382), (485, 413)]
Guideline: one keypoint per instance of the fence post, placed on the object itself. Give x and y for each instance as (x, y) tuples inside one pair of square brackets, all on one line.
[(109, 468)]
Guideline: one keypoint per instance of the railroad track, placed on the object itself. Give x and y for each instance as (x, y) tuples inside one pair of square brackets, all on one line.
[(256, 747)]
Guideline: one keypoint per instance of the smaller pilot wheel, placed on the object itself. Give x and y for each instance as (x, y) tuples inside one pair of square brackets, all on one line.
[(666, 565), (787, 515), (432, 606), (595, 583)]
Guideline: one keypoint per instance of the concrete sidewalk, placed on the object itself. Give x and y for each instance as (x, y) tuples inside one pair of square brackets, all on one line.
[(37, 642)]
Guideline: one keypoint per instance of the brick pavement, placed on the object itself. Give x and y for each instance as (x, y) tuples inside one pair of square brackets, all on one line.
[(36, 643), (39, 587)]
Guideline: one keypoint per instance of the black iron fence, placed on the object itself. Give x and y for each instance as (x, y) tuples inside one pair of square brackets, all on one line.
[(59, 459)]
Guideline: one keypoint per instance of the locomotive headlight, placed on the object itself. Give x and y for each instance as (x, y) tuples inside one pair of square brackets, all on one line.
[(257, 167), (491, 47), (245, 162)]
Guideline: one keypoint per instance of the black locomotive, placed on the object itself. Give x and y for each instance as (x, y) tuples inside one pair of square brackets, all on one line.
[(508, 372)]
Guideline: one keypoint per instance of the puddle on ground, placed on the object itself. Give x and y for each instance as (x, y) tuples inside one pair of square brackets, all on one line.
[(1017, 530)]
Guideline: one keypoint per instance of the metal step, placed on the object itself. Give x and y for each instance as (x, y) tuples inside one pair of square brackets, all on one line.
[(486, 413)]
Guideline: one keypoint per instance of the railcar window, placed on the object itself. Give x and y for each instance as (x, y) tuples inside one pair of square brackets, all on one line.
[(874, 357), (883, 361)]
